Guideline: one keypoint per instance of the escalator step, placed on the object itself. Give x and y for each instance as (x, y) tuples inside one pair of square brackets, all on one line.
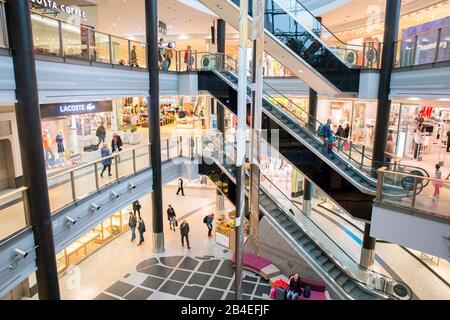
[(304, 241), (328, 266), (291, 229), (349, 286), (310, 246), (323, 260), (342, 279), (316, 253), (296, 234), (334, 273)]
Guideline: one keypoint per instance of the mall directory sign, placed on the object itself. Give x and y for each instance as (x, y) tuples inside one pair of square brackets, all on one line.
[(74, 108)]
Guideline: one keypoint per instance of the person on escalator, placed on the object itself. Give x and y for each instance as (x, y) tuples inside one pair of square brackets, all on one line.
[(331, 140), (325, 131), (389, 153)]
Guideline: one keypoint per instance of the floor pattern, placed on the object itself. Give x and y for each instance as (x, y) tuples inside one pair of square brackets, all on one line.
[(185, 278)]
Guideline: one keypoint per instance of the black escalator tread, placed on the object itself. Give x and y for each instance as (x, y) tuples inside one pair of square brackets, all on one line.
[(342, 279), (335, 272), (297, 233), (304, 241), (328, 266), (291, 229), (316, 253), (310, 246), (323, 260), (349, 286), (286, 224)]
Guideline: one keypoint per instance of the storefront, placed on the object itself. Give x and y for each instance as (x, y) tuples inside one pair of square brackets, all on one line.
[(420, 130), (359, 115), (77, 123), (185, 111), (95, 239)]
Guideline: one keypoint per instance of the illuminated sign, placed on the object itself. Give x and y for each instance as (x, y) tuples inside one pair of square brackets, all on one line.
[(73, 10), (70, 109)]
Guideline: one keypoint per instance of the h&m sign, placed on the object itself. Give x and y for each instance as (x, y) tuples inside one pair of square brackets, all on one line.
[(50, 4)]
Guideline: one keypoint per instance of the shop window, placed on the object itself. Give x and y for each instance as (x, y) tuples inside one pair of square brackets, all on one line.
[(93, 240), (45, 35)]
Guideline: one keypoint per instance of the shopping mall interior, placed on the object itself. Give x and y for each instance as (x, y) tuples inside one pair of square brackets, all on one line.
[(310, 137)]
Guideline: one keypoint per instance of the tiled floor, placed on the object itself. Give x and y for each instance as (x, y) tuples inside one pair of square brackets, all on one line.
[(184, 277)]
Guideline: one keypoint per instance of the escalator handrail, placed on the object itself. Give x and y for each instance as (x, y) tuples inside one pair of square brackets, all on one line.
[(317, 124), (321, 230), (336, 260)]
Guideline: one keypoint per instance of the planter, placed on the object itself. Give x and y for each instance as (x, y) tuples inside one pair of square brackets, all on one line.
[(134, 137)]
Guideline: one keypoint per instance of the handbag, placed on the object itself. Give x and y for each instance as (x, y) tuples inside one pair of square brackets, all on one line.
[(176, 223)]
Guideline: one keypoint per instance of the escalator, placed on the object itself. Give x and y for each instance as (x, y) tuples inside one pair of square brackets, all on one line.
[(354, 165), (335, 266), (295, 37)]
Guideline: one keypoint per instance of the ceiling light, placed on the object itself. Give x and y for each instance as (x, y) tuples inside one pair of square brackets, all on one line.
[(219, 7)]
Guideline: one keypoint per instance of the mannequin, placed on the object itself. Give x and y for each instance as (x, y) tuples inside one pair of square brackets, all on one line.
[(47, 142), (60, 144)]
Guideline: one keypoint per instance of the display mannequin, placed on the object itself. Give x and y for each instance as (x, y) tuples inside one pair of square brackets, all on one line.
[(47, 143), (60, 144)]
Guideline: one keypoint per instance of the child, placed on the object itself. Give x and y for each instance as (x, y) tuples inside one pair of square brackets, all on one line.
[(331, 140), (437, 184)]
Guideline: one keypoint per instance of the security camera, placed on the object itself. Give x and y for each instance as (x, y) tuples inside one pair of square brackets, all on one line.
[(70, 222), (114, 195), (20, 254), (131, 186), (95, 207)]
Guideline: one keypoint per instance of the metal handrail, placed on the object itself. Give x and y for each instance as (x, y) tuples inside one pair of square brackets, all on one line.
[(317, 123), (313, 237), (14, 192), (89, 164)]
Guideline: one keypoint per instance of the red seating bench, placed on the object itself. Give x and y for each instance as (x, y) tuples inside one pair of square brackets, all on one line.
[(259, 265), (317, 290)]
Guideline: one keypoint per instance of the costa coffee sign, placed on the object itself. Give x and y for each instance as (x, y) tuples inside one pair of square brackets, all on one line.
[(73, 10)]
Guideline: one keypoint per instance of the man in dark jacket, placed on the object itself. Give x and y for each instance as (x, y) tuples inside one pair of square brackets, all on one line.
[(137, 207), (180, 187), (132, 223), (101, 134), (184, 230), (172, 217), (141, 229)]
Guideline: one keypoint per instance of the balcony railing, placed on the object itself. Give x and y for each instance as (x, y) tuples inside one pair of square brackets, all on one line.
[(425, 48), (425, 195), (76, 184)]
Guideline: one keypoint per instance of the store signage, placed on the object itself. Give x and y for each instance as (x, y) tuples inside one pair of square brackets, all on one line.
[(49, 4), (162, 27), (69, 109)]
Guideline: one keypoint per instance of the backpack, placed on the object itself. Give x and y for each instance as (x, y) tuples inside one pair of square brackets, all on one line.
[(321, 130), (205, 219), (307, 292)]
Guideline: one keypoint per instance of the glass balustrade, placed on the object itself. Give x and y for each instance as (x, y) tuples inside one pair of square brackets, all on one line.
[(3, 33), (13, 212), (424, 194), (424, 48), (101, 52), (46, 36)]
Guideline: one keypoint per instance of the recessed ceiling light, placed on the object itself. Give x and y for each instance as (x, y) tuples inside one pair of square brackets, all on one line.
[(219, 7)]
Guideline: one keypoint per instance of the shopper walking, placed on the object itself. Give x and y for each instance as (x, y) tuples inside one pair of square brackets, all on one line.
[(347, 131), (116, 145), (184, 230), (448, 140), (141, 229), (437, 183), (169, 55), (188, 58), (47, 142), (180, 187), (137, 207), (389, 153), (132, 223), (106, 163), (208, 220), (101, 134), (134, 58), (172, 217), (60, 144), (294, 289)]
